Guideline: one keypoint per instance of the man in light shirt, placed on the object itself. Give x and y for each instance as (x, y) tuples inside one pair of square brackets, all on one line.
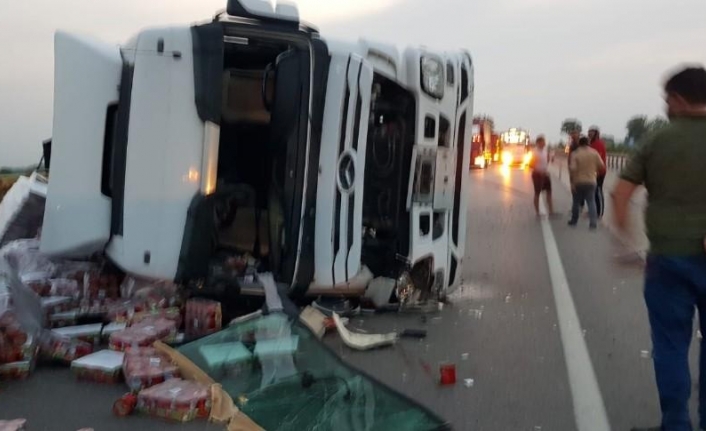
[(585, 165), (540, 174)]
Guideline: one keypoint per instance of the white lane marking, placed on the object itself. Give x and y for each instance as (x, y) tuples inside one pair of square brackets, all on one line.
[(589, 408)]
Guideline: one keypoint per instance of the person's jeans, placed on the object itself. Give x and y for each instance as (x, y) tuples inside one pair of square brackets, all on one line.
[(584, 193), (674, 288), (600, 200)]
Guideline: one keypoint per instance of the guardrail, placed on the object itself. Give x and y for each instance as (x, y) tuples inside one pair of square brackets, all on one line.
[(616, 161)]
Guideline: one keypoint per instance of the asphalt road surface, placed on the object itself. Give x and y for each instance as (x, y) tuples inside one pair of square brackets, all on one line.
[(524, 360)]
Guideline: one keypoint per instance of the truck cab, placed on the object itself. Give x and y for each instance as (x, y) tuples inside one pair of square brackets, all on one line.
[(252, 136)]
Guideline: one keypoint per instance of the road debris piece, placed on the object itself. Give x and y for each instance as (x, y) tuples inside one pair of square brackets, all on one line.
[(645, 354), (464, 356), (315, 320), (447, 374), (380, 291), (13, 425), (468, 383), (362, 341)]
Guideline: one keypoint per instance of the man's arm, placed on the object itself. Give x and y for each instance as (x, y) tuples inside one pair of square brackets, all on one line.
[(621, 200), (632, 176), (600, 164)]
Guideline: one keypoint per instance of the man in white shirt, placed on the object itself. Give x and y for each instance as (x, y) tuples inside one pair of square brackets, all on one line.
[(540, 174)]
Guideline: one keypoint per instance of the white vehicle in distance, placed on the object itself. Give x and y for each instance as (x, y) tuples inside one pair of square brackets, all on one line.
[(332, 163), (516, 148)]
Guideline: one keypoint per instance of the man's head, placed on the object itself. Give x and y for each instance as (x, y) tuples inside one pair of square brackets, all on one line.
[(575, 134), (583, 142), (594, 133), (541, 142), (685, 93)]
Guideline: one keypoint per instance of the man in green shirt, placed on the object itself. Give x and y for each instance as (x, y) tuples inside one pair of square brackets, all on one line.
[(671, 164)]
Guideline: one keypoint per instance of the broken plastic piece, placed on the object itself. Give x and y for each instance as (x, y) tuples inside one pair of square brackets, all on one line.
[(362, 341), (645, 354), (380, 290), (464, 356), (274, 303), (314, 320), (468, 383)]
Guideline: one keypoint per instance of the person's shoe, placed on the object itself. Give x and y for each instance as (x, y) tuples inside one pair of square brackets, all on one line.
[(573, 222), (593, 227), (647, 429)]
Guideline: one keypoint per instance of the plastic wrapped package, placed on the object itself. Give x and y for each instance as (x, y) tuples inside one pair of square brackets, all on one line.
[(156, 294), (99, 286), (145, 367), (13, 338), (176, 399), (19, 370), (28, 263), (100, 367), (143, 334), (55, 347), (65, 287), (172, 313), (22, 209), (202, 317), (89, 333), (56, 304)]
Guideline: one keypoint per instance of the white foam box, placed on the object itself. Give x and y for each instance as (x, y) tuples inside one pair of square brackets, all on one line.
[(104, 366)]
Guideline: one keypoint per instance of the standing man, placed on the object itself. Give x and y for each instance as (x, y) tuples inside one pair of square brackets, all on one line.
[(670, 164), (573, 146), (540, 174), (585, 165), (594, 136)]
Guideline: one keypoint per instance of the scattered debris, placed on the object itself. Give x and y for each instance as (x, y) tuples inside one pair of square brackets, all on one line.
[(13, 425), (508, 298), (447, 373), (476, 313), (645, 354), (464, 356), (362, 341), (380, 291), (315, 320), (468, 383)]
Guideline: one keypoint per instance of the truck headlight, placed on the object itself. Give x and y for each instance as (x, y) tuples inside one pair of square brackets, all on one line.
[(432, 73), (507, 158)]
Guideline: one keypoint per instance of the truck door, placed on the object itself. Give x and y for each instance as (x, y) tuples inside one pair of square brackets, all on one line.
[(86, 81)]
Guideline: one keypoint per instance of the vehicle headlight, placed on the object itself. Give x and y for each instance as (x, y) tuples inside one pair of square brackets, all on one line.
[(432, 73), (528, 158), (507, 157)]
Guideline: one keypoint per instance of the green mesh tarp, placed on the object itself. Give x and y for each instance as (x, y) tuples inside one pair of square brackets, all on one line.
[(285, 379)]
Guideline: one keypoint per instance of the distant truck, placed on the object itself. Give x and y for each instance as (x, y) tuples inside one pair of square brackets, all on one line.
[(331, 163), (516, 148), (483, 146)]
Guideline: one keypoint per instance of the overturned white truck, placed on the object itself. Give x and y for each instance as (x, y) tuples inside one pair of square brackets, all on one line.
[(329, 162)]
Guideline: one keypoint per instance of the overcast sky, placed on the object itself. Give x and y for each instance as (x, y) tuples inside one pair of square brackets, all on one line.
[(537, 61)]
